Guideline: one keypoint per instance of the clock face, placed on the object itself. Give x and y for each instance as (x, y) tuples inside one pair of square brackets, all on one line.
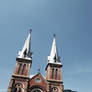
[(54, 89), (38, 80)]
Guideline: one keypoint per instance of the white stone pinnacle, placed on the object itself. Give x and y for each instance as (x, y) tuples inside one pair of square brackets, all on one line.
[(54, 58), (25, 52)]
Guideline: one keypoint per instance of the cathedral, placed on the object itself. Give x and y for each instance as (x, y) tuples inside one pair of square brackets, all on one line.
[(21, 82)]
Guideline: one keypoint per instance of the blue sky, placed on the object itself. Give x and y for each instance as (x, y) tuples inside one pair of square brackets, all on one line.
[(70, 20)]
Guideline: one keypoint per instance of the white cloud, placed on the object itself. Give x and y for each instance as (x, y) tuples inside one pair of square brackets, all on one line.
[(84, 70)]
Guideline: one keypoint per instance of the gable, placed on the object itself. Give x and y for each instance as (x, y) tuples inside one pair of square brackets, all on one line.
[(38, 81)]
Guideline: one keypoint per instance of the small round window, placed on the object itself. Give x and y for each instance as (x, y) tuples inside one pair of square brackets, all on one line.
[(38, 80)]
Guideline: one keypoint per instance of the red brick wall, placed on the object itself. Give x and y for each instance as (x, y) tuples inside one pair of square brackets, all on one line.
[(42, 84)]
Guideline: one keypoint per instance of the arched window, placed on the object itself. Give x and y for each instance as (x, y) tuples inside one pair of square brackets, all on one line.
[(25, 53), (54, 89), (15, 90), (24, 66), (55, 58), (56, 73), (53, 73), (19, 70), (19, 90)]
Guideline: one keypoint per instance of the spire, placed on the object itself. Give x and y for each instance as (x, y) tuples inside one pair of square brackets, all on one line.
[(54, 58), (25, 52)]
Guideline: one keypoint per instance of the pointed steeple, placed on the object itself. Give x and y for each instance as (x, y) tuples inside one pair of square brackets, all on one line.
[(54, 58), (25, 52)]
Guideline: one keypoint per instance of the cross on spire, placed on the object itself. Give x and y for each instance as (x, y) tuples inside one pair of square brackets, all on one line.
[(54, 35), (30, 30)]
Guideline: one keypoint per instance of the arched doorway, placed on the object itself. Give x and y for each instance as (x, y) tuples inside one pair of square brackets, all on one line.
[(37, 90)]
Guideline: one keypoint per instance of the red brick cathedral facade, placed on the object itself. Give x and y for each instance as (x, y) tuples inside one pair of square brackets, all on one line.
[(21, 82)]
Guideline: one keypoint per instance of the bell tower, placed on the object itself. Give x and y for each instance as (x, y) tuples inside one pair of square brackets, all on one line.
[(54, 70), (20, 77)]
